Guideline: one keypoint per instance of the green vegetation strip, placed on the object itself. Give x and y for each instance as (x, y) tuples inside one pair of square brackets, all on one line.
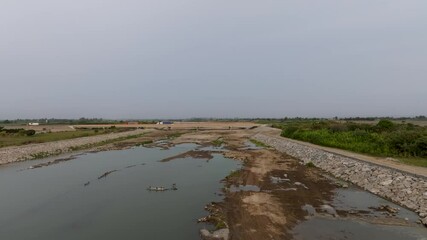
[(404, 141), (18, 137), (218, 142), (258, 143)]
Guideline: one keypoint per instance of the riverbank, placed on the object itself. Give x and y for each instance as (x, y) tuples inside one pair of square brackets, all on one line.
[(274, 193), (401, 187), (269, 197), (254, 206), (41, 150)]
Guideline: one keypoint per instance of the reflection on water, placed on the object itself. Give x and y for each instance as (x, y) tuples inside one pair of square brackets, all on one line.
[(71, 201), (327, 228), (320, 227), (245, 188)]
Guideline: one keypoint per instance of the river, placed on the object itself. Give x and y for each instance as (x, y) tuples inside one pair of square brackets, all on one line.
[(68, 201)]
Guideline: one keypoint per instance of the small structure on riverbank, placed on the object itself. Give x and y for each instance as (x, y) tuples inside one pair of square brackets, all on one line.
[(165, 123)]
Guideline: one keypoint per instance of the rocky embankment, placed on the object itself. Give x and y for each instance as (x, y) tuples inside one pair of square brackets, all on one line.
[(32, 151), (402, 188)]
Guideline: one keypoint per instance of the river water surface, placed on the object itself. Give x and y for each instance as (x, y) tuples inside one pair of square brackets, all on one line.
[(68, 201)]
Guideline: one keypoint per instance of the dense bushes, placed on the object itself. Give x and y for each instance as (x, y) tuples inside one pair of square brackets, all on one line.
[(385, 138), (17, 131)]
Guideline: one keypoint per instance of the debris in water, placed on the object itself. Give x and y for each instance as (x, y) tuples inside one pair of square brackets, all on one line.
[(193, 153), (329, 209), (386, 208), (309, 209), (56, 161), (162, 189), (106, 174)]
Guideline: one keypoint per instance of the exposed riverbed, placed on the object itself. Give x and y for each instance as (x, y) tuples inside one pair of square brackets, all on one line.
[(102, 195)]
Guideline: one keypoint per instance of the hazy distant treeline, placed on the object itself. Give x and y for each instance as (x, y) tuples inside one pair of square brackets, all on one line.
[(148, 121), (45, 121)]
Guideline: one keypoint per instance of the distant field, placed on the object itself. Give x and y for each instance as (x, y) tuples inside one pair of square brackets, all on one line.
[(180, 125), (19, 139), (49, 133)]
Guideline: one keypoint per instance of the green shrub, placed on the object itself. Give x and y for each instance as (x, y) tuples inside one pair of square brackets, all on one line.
[(310, 164), (30, 132), (422, 146), (289, 131), (218, 142), (384, 125)]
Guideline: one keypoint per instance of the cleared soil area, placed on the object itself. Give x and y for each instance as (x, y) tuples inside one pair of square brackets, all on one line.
[(50, 133)]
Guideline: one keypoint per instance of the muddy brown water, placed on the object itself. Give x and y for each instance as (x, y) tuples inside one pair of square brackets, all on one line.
[(68, 201)]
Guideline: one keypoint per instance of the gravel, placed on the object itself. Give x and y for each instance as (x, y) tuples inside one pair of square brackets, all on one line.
[(402, 188)]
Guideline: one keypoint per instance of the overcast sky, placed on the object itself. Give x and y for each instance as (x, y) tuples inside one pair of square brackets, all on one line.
[(212, 58)]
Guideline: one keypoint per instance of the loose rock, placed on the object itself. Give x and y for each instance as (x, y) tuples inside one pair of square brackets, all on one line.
[(402, 188)]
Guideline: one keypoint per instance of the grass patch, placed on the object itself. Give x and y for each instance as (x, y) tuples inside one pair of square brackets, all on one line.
[(175, 135), (220, 225), (258, 143), (233, 174), (40, 155), (419, 162), (218, 142), (310, 165), (144, 143), (18, 139)]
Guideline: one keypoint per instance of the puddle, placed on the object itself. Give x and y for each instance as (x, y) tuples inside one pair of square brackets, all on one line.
[(357, 200), (354, 214), (250, 146), (213, 149), (326, 229), (245, 188)]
